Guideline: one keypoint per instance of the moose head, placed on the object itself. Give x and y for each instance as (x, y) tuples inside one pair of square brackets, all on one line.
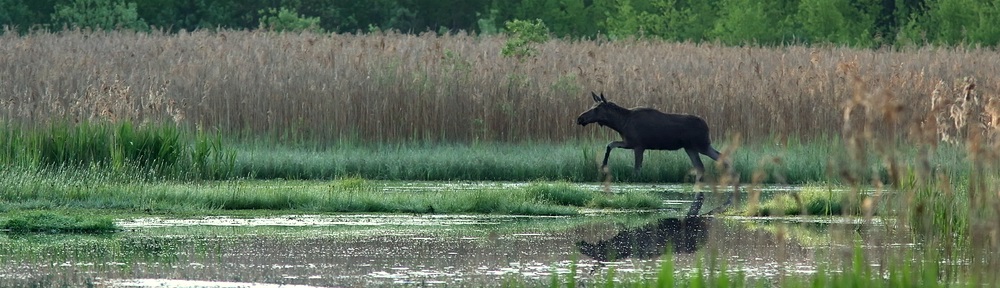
[(601, 113)]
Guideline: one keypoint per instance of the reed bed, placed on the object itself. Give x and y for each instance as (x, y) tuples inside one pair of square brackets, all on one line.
[(391, 87)]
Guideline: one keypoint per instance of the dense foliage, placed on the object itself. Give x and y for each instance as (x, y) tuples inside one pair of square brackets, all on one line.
[(861, 23)]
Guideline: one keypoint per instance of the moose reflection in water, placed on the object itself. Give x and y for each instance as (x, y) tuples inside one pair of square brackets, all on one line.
[(647, 128), (684, 235)]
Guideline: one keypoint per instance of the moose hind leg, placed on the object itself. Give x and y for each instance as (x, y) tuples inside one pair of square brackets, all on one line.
[(715, 155), (711, 153), (726, 166)]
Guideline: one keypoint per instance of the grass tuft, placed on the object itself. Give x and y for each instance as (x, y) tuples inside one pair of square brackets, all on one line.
[(350, 183), (49, 222), (561, 193), (808, 201)]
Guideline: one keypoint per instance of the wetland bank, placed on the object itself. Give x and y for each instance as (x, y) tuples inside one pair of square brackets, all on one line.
[(393, 159)]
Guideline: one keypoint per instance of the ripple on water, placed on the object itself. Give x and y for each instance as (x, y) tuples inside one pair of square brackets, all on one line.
[(172, 283)]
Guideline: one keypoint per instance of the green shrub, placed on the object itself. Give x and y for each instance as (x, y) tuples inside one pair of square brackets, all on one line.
[(99, 15), (523, 36), (285, 19)]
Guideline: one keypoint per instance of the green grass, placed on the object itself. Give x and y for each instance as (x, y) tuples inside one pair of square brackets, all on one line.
[(84, 189), (809, 200), (564, 193), (50, 222), (176, 153), (162, 150), (789, 163)]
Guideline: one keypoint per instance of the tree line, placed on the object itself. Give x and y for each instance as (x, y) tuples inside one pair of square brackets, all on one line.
[(859, 23)]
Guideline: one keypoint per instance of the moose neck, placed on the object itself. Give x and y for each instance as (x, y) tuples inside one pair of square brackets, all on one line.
[(619, 116)]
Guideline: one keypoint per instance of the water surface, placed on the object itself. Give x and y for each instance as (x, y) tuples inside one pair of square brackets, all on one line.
[(364, 250), (386, 250)]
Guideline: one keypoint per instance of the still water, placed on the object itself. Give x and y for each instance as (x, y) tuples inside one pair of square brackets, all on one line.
[(389, 250), (366, 250)]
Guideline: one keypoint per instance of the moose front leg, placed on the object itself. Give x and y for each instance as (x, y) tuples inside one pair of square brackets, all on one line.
[(696, 162), (607, 153), (638, 160), (699, 197)]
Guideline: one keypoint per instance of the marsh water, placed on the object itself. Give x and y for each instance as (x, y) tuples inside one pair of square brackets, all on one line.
[(365, 250)]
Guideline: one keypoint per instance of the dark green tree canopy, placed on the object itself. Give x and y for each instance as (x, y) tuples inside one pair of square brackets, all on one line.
[(859, 23)]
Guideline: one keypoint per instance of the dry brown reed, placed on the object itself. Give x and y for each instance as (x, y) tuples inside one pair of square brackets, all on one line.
[(399, 87)]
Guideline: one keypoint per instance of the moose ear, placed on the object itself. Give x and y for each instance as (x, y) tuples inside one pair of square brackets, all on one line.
[(596, 99), (602, 98)]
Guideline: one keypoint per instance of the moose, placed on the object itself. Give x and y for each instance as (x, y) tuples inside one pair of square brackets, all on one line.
[(647, 128)]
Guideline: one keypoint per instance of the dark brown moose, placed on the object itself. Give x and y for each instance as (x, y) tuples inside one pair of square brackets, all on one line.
[(647, 128)]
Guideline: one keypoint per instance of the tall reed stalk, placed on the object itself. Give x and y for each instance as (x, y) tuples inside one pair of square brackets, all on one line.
[(403, 87)]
